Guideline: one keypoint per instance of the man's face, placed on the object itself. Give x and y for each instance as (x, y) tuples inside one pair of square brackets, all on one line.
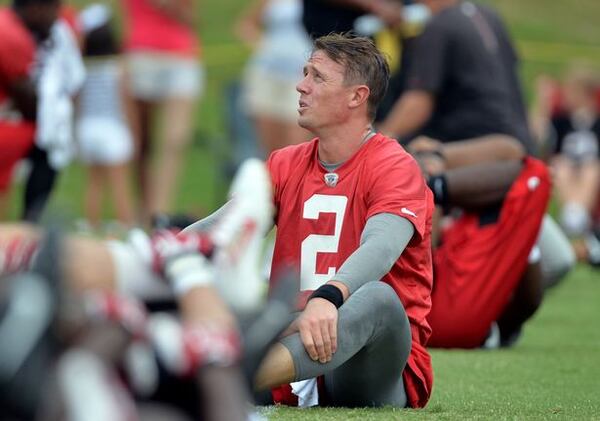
[(39, 18), (324, 96)]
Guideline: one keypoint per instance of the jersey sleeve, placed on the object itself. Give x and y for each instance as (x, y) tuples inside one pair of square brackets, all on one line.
[(398, 188), (426, 60), (275, 168)]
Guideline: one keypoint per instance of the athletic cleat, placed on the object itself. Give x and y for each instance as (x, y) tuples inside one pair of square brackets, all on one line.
[(238, 237), (165, 244)]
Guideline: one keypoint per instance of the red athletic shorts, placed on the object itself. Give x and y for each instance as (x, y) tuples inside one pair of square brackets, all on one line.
[(15, 142), (478, 266)]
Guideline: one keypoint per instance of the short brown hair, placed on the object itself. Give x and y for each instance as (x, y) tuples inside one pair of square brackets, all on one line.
[(363, 62)]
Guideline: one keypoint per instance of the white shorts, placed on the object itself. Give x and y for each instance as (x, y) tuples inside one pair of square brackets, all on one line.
[(103, 141), (157, 76), (265, 94)]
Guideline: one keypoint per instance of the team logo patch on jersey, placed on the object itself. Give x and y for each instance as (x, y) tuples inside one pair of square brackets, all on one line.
[(331, 179)]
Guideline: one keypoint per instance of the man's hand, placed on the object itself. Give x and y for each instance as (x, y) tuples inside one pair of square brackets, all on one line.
[(429, 155), (317, 325)]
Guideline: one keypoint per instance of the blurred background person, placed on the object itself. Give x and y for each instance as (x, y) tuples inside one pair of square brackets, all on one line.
[(321, 17), (450, 100), (566, 121), (103, 135), (22, 25), (473, 96), (165, 78), (269, 96), (58, 74)]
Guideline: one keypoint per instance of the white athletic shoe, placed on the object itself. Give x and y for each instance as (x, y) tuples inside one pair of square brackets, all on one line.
[(493, 339), (238, 237)]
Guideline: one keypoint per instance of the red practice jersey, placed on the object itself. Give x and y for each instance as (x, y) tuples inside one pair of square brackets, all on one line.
[(321, 216), (479, 265), (17, 52)]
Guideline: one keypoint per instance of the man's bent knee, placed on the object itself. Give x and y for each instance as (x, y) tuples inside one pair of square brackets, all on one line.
[(381, 299)]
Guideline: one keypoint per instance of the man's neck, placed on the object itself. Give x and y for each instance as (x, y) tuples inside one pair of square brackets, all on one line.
[(337, 146)]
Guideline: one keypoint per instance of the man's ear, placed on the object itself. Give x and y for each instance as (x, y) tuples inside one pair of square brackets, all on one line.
[(360, 95)]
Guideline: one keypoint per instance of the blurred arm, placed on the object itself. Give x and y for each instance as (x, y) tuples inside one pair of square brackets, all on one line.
[(409, 114), (481, 150), (478, 186), (486, 149)]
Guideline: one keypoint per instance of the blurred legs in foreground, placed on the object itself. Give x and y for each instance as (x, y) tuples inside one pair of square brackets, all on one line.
[(206, 273)]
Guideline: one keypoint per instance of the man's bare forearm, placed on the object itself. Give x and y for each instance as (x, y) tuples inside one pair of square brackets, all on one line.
[(478, 186), (409, 114), (491, 148)]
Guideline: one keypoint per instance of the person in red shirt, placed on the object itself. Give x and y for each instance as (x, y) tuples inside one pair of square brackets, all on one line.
[(486, 256), (165, 78), (353, 213), (22, 26)]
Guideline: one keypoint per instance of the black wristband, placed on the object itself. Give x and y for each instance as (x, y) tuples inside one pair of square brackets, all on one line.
[(329, 292), (439, 186)]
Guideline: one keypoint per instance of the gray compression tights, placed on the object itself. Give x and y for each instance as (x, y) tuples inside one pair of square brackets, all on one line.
[(374, 342)]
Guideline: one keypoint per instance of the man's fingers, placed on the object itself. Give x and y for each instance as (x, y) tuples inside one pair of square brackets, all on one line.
[(325, 333), (333, 334), (317, 335), (307, 341)]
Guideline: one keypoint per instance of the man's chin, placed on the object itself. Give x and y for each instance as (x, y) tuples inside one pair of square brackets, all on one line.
[(304, 123)]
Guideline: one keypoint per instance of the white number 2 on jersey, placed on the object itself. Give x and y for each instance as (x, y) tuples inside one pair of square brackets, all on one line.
[(318, 243)]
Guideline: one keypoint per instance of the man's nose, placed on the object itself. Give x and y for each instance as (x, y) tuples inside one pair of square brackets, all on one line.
[(302, 86)]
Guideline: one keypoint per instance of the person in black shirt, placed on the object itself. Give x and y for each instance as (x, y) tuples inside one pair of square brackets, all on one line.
[(461, 81), (321, 17), (461, 89)]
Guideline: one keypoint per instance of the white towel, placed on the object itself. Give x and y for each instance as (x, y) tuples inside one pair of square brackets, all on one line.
[(62, 75), (307, 392)]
